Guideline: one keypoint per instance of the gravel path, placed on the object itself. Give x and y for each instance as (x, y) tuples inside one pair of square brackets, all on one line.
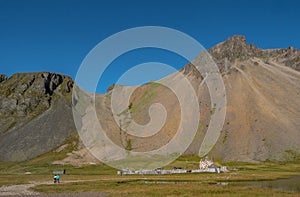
[(23, 190), (17, 190)]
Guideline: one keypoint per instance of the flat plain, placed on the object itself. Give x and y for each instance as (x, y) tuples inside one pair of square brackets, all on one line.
[(34, 177)]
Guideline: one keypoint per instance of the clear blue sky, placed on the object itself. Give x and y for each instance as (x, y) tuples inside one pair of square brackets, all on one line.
[(56, 35)]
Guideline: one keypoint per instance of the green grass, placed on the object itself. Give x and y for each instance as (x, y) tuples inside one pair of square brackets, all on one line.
[(139, 188), (146, 98), (102, 178), (204, 184)]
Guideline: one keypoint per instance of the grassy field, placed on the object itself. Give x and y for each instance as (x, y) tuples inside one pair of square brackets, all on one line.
[(101, 178)]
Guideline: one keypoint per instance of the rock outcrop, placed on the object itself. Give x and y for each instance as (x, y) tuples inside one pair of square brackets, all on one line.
[(35, 110), (236, 48), (2, 78)]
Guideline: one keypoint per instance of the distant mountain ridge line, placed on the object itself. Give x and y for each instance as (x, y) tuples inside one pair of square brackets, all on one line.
[(229, 46)]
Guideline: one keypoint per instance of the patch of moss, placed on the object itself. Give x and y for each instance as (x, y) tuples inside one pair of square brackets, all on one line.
[(225, 137), (200, 127), (292, 155), (11, 126), (213, 109), (128, 145)]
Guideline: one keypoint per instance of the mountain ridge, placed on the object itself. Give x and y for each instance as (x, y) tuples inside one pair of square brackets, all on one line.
[(236, 48), (261, 124)]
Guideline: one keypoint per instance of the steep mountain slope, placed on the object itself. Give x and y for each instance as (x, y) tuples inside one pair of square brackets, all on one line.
[(263, 95), (262, 117), (35, 114)]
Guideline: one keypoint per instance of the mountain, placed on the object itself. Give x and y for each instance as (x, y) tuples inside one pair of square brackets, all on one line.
[(263, 97), (35, 114), (262, 116)]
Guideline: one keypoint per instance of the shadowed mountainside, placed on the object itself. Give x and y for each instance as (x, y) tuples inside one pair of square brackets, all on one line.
[(36, 114)]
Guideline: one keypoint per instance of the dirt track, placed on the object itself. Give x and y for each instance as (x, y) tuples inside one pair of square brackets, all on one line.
[(23, 190), (18, 190)]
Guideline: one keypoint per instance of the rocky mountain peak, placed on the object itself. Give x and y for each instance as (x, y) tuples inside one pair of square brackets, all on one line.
[(236, 40), (22, 93), (234, 48)]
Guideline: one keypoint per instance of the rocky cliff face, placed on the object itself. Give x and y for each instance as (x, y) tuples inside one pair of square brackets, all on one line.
[(26, 98), (236, 48), (2, 77)]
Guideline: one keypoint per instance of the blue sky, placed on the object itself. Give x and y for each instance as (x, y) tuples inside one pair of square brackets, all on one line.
[(56, 35)]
